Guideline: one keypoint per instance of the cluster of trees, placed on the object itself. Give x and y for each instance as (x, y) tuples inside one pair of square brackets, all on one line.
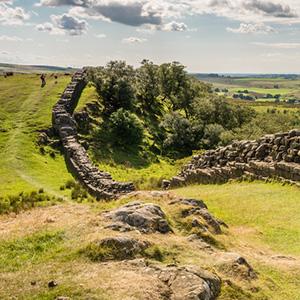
[(164, 105), (243, 97)]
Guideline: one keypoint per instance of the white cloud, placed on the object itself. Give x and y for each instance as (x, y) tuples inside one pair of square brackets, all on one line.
[(162, 13), (174, 26), (133, 40), (10, 15), (64, 24), (252, 29)]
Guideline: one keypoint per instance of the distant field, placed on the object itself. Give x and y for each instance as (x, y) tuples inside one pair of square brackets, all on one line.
[(258, 87), (33, 69)]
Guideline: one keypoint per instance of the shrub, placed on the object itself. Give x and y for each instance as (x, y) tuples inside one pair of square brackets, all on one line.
[(179, 134), (23, 201), (125, 128), (212, 135), (79, 193)]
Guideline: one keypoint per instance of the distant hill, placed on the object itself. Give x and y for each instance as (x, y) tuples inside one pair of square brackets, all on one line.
[(4, 67), (244, 75)]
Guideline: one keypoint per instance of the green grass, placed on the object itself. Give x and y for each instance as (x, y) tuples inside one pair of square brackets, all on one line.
[(25, 108), (15, 254), (88, 95), (269, 208), (144, 177), (263, 90)]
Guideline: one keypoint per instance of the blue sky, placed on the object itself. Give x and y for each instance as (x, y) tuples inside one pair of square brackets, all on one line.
[(252, 36)]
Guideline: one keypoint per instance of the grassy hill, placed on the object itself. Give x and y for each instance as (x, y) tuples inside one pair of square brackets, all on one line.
[(25, 108), (46, 243), (4, 67)]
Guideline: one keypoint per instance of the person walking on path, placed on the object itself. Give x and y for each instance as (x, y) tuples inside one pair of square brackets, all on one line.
[(43, 79)]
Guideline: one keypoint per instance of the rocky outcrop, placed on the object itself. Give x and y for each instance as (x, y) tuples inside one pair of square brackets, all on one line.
[(199, 216), (99, 184), (273, 156), (145, 217), (234, 265), (190, 283), (116, 248)]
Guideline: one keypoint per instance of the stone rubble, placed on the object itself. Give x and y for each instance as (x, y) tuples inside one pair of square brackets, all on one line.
[(99, 184), (272, 156)]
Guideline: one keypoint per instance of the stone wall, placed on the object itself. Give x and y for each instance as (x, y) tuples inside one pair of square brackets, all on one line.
[(272, 156), (99, 184)]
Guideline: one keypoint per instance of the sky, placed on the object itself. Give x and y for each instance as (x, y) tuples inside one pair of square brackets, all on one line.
[(207, 36)]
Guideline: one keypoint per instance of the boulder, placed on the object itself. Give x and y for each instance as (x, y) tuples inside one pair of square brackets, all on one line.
[(190, 283), (236, 266), (115, 248), (145, 217)]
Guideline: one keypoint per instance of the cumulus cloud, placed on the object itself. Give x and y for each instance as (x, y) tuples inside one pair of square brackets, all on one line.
[(270, 8), (54, 3), (128, 12), (174, 26), (163, 13), (64, 24), (10, 15), (259, 28), (133, 40)]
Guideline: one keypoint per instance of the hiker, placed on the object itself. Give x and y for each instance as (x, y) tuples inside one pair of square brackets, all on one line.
[(43, 79)]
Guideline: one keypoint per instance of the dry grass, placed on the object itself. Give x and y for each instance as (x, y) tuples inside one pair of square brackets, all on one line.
[(80, 278)]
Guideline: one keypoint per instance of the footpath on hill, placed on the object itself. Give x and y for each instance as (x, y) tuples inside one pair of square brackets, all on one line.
[(26, 109)]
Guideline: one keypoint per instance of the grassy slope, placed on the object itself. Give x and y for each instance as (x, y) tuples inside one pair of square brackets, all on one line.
[(142, 168), (262, 219), (25, 108)]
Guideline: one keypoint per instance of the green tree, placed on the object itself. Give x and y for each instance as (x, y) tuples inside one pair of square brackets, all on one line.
[(147, 86), (115, 85), (125, 128), (179, 137)]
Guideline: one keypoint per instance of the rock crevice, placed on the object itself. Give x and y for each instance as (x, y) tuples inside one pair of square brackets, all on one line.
[(99, 184)]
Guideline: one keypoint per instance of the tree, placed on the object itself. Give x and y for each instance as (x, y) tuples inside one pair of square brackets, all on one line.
[(147, 85), (125, 128), (114, 83), (173, 80), (213, 135), (179, 134)]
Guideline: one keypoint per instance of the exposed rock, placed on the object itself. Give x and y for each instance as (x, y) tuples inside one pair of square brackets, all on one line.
[(236, 266), (203, 245), (99, 184), (272, 156), (116, 248), (198, 209), (145, 217), (189, 282)]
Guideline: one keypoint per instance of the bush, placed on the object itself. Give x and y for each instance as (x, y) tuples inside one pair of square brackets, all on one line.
[(125, 128), (23, 201), (179, 134), (212, 135)]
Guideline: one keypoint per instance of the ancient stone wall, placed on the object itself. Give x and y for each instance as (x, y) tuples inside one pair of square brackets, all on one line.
[(272, 156), (99, 184)]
